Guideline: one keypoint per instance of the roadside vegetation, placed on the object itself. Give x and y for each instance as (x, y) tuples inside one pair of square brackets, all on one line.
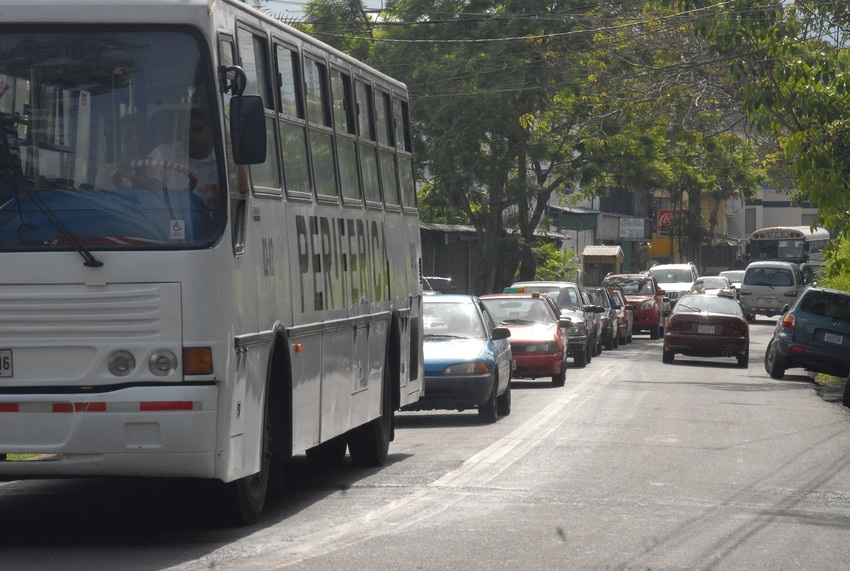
[(516, 101)]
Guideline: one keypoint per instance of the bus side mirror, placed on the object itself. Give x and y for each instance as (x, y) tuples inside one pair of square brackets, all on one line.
[(248, 129)]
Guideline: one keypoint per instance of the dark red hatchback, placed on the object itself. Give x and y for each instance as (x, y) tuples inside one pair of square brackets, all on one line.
[(706, 325)]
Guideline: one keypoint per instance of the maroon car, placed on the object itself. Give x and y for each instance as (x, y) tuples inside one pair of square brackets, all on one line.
[(706, 325), (650, 301)]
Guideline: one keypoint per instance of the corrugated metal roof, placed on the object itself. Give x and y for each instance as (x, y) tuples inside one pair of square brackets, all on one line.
[(602, 250)]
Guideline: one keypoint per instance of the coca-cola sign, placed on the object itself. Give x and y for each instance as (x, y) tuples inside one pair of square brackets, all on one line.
[(665, 220)]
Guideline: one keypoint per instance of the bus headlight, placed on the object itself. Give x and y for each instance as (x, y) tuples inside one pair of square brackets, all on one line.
[(121, 363), (162, 363)]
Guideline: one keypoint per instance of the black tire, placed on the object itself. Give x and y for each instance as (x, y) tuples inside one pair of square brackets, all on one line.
[(487, 411), (243, 499), (846, 397), (580, 359), (561, 378), (654, 332), (588, 353), (744, 359), (609, 341), (615, 340), (328, 454), (771, 362), (369, 444), (667, 356), (503, 401)]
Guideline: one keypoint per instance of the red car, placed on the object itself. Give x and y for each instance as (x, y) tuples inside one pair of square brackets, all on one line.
[(642, 291), (706, 325), (538, 333)]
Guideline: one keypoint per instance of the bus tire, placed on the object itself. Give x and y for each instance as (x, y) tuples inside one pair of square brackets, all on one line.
[(369, 444), (244, 498)]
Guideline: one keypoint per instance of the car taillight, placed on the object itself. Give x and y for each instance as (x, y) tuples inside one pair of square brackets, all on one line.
[(788, 321), (673, 325)]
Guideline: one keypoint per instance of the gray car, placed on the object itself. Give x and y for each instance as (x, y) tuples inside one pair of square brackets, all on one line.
[(574, 303)]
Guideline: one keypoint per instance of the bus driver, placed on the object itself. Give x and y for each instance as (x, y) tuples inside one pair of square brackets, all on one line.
[(201, 159)]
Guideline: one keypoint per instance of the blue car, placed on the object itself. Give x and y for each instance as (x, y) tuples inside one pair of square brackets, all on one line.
[(467, 358)]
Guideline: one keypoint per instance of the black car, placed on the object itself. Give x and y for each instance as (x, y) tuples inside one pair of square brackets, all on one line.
[(813, 334), (601, 297)]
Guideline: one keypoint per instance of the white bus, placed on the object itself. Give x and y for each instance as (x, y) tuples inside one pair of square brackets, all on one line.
[(176, 309), (797, 244)]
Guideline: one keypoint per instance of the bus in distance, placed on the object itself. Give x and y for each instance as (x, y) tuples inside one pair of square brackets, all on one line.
[(797, 244), (209, 243)]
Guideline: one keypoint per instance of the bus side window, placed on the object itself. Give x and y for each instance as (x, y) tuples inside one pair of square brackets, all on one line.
[(236, 183), (346, 141), (368, 147), (292, 121), (404, 150), (321, 132), (254, 61), (386, 151)]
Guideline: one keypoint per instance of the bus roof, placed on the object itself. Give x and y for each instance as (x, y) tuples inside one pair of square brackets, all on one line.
[(806, 232)]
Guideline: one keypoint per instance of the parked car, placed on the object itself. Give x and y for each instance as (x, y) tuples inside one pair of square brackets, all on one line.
[(676, 279), (642, 291), (768, 287), (625, 315), (813, 334), (734, 277), (599, 296), (573, 302), (467, 358), (706, 325), (538, 333), (715, 285)]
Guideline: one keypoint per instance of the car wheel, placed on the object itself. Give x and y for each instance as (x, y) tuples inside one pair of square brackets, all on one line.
[(580, 359), (609, 341), (846, 400), (615, 340), (559, 379), (588, 353), (744, 359), (771, 364), (654, 332), (487, 412), (667, 356), (503, 401)]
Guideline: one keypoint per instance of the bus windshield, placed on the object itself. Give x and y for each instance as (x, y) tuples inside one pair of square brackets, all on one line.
[(109, 140)]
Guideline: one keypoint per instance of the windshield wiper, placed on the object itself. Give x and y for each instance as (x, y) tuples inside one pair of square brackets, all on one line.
[(82, 249)]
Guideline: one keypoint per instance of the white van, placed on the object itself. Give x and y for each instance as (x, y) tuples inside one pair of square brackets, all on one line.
[(768, 287)]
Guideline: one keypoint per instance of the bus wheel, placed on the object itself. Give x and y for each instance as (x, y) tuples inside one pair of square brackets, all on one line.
[(369, 444), (243, 499)]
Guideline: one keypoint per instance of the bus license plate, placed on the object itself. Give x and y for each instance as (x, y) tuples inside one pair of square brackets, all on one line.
[(5, 362), (833, 338), (705, 329)]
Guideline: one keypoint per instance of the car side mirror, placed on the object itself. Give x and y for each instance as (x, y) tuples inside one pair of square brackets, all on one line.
[(500, 333), (631, 307), (565, 323)]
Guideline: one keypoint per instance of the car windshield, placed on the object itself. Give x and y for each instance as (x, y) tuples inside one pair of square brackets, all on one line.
[(632, 286), (108, 140), (510, 311), (566, 298), (708, 304), (671, 276), (712, 283), (768, 276), (455, 320), (834, 305)]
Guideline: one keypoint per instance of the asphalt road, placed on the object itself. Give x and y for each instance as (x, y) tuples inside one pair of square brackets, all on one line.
[(631, 465)]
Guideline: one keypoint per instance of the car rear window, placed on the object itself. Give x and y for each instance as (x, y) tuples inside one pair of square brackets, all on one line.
[(827, 304), (781, 277), (708, 304)]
